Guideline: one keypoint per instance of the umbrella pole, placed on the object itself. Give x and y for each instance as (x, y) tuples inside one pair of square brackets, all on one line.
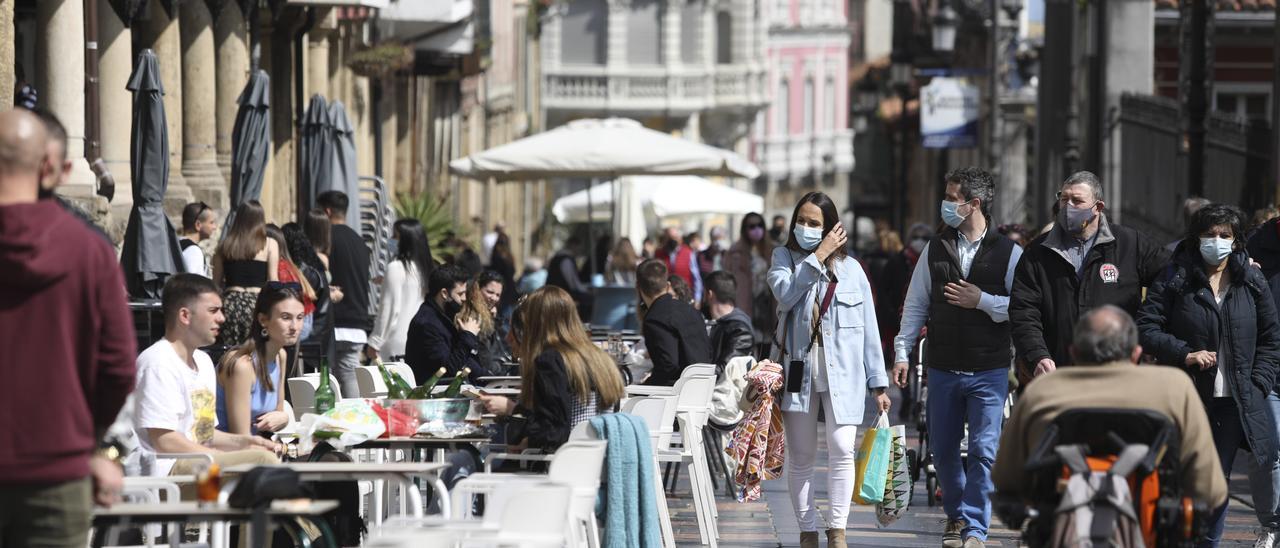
[(591, 231)]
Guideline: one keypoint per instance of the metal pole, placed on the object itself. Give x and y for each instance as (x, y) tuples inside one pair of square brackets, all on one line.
[(900, 211), (93, 138), (1275, 112), (1197, 103), (993, 94), (591, 229)]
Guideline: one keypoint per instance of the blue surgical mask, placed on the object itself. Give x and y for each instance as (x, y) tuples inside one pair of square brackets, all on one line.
[(1215, 250), (951, 214), (807, 237)]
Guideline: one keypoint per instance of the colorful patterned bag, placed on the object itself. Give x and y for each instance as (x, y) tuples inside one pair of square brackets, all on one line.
[(759, 443), (897, 489)]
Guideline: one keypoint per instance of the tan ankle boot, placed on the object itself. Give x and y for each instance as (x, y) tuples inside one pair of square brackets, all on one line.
[(835, 538), (809, 539)]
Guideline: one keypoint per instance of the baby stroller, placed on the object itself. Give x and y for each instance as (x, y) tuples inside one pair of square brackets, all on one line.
[(1105, 437), (920, 460)]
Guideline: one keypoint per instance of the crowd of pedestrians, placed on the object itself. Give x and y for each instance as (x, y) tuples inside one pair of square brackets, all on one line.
[(1086, 313)]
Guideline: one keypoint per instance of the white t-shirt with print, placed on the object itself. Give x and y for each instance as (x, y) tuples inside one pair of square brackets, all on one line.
[(173, 396)]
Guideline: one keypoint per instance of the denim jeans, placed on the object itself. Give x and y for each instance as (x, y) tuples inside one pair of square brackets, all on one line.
[(344, 367), (1228, 437), (978, 399)]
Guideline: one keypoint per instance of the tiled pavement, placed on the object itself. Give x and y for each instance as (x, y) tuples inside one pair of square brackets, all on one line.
[(770, 522)]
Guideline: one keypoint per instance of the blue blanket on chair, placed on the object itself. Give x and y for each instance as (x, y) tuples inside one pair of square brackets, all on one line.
[(627, 505)]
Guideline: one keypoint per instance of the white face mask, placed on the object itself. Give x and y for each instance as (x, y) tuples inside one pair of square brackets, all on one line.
[(1215, 250), (808, 237)]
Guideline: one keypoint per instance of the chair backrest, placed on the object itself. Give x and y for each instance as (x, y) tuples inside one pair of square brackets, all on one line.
[(402, 369), (578, 464), (293, 421), (370, 381), (658, 413), (583, 431), (536, 511), (698, 370), (302, 395), (694, 393), (314, 378)]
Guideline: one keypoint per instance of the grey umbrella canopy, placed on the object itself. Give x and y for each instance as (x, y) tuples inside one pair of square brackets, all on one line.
[(250, 143), (151, 253), (344, 160), (317, 155)]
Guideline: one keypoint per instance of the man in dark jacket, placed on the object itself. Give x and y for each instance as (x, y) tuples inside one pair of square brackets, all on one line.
[(437, 337), (1264, 248), (674, 333), (960, 288), (1084, 262), (349, 264), (562, 272), (66, 352), (731, 333)]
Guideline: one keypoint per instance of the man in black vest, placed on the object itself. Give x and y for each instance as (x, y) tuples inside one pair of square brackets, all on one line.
[(960, 288)]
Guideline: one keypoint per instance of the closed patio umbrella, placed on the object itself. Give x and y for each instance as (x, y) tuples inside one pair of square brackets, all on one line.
[(344, 176), (317, 155), (250, 142), (151, 253)]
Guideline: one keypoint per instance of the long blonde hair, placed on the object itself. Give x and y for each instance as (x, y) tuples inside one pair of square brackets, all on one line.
[(476, 306), (549, 320)]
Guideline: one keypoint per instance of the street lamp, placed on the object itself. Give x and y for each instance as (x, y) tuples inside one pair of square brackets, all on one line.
[(865, 103), (945, 23)]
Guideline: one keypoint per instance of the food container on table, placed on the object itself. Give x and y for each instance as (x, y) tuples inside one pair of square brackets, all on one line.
[(433, 416)]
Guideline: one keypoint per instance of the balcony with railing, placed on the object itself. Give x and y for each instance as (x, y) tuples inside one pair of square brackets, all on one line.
[(788, 157)]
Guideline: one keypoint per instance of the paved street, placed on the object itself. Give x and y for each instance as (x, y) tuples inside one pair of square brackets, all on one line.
[(770, 522)]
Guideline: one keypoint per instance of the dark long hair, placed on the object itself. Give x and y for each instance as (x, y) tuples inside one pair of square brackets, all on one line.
[(286, 260), (414, 249), (319, 230), (1213, 215), (748, 220), (830, 216), (247, 235), (300, 248), (272, 294)]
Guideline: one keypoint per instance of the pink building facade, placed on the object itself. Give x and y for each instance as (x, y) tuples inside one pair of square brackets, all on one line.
[(802, 142)]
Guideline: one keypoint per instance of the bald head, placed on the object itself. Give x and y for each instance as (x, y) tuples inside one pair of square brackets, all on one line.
[(22, 143), (1105, 334)]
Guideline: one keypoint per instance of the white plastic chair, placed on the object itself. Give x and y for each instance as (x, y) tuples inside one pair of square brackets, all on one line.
[(402, 369), (370, 381), (535, 516), (302, 392), (658, 413)]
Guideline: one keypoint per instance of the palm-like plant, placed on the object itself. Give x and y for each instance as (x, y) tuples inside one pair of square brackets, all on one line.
[(436, 218)]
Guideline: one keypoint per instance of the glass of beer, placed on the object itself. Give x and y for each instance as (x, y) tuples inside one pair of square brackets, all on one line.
[(208, 484)]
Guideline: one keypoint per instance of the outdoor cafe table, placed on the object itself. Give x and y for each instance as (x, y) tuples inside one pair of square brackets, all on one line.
[(125, 514), (402, 472)]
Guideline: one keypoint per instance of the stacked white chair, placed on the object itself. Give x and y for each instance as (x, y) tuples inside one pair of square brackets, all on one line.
[(534, 516), (302, 392), (370, 381)]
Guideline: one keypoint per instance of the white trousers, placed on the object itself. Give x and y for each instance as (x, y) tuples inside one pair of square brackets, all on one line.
[(802, 452)]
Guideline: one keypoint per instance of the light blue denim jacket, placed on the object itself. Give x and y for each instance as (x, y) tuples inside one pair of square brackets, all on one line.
[(851, 336)]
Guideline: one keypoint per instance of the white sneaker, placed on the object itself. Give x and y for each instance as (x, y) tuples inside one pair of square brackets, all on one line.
[(1266, 539)]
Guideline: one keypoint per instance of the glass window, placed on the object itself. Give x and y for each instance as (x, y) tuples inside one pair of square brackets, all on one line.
[(691, 32), (781, 108), (644, 32), (583, 33), (724, 37), (809, 104)]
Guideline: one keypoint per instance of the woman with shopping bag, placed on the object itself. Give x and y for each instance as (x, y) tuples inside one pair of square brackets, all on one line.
[(828, 344)]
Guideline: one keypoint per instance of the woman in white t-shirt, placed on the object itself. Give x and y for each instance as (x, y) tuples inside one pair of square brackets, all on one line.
[(403, 288)]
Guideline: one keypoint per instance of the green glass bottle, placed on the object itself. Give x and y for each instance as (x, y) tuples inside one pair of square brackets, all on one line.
[(424, 392), (455, 387), (394, 390), (325, 397)]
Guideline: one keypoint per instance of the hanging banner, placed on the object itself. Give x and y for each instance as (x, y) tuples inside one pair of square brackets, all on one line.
[(949, 112)]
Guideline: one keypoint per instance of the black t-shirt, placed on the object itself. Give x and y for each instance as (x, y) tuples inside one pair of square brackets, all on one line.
[(349, 266)]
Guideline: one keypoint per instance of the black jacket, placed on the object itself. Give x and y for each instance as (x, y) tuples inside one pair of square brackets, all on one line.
[(1048, 297), (549, 422), (1181, 316), (675, 336), (434, 342), (1264, 247), (349, 264), (732, 337)]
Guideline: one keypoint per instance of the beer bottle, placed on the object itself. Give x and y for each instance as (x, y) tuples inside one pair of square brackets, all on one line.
[(325, 397), (394, 390), (424, 392), (455, 387)]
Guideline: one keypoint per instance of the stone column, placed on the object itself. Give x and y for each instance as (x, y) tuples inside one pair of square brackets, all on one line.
[(231, 41), (7, 63), (160, 33), (115, 117), (199, 105), (60, 82), (318, 59)]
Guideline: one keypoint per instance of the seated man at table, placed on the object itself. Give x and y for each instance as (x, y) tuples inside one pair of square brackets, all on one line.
[(438, 336), (176, 395), (731, 332), (1105, 350), (674, 333)]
